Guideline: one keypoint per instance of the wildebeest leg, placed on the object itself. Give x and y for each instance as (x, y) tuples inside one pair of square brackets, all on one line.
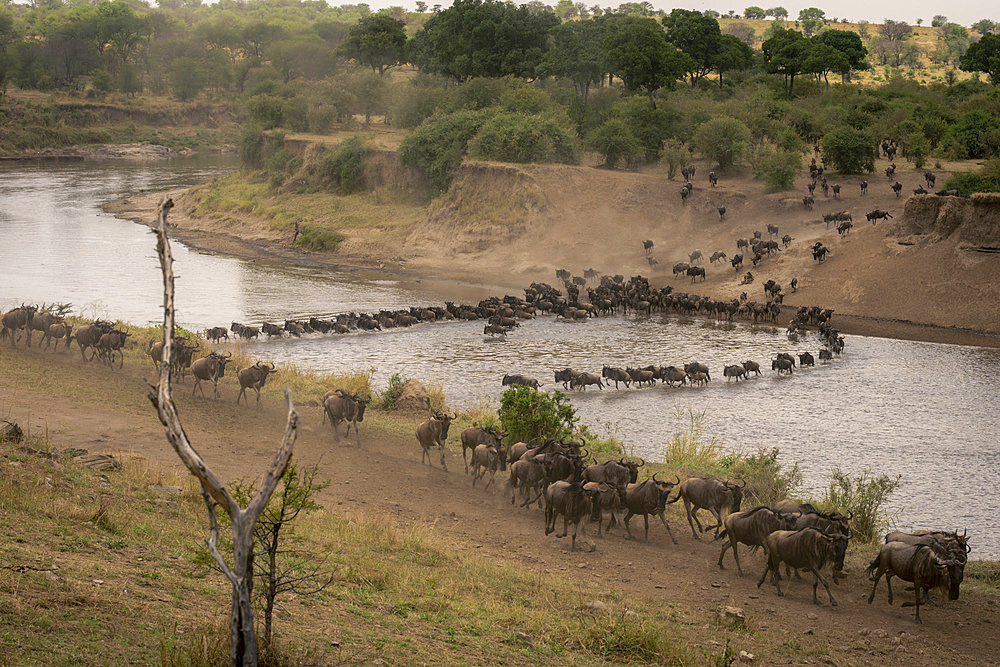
[(257, 389), (628, 531), (718, 522), (878, 575), (490, 483), (819, 578), (888, 584), (243, 393), (443, 466), (356, 434), (690, 514), (645, 521), (667, 526), (723, 553)]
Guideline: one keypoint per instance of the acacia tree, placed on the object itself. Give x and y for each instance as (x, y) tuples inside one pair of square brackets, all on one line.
[(378, 41), (785, 53), (639, 53), (575, 54), (698, 36), (754, 12), (734, 54), (848, 43), (242, 633), (983, 56)]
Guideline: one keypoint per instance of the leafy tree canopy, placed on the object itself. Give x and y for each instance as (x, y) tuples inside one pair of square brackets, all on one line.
[(754, 12), (983, 56), (638, 52), (698, 36), (377, 41)]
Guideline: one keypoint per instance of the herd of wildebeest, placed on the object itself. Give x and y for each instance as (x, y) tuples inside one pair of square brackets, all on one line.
[(556, 475)]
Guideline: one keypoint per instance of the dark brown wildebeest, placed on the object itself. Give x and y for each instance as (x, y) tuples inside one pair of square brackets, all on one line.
[(751, 367), (697, 367), (672, 374), (649, 497), (519, 380), (722, 212), (864, 187), (57, 331), (608, 499), (897, 187), (734, 371), (574, 503), (808, 201), (17, 319), (809, 548), (209, 369), (215, 334), (836, 190), (253, 378), (341, 406), (88, 335), (751, 528), (918, 564), (433, 433), (716, 256), (581, 380), (930, 178), (681, 267), (737, 261), (528, 475), (876, 215), (647, 245), (713, 178), (772, 230), (565, 376), (474, 436), (695, 271), (715, 495)]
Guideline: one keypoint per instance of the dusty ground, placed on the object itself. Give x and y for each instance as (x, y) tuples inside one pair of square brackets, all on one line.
[(517, 224), (106, 411)]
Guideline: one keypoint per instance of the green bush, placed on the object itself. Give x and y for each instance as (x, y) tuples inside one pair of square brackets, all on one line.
[(986, 180), (266, 110), (415, 104), (295, 114), (917, 149), (252, 146), (102, 81), (766, 481), (616, 143), (387, 399), (849, 151), (866, 498), (652, 127), (527, 414), (673, 156), (724, 140), (437, 147), (974, 135), (317, 237), (343, 167), (515, 137), (778, 170)]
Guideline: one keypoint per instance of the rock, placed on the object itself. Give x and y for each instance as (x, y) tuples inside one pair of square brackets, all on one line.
[(734, 615), (49, 575), (880, 633), (716, 584), (809, 632), (630, 615), (864, 632), (169, 504), (524, 638), (812, 617), (101, 462), (98, 581), (827, 660), (596, 605), (746, 657), (161, 490), (73, 452), (413, 397)]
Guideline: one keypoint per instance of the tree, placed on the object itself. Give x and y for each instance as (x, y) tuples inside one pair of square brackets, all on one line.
[(785, 53), (369, 91), (421, 6), (754, 12), (575, 54), (565, 9), (849, 150), (734, 55), (984, 26), (938, 20), (811, 19), (477, 38), (741, 31), (724, 140), (778, 13), (955, 40), (637, 51), (697, 36), (527, 414), (983, 56), (378, 41), (186, 78), (822, 59), (895, 31), (848, 43), (242, 632)]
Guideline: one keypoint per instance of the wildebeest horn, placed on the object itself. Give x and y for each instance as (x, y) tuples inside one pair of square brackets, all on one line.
[(644, 462), (744, 484), (622, 460), (850, 515), (678, 480), (272, 366), (585, 454), (229, 355), (654, 478)]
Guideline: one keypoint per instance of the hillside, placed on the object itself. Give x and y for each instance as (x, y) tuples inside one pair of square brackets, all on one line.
[(509, 225)]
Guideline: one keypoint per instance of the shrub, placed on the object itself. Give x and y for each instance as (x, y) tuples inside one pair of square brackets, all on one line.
[(616, 143), (975, 135), (415, 104), (102, 81), (849, 150), (316, 237), (766, 481), (514, 137), (266, 110), (986, 180), (778, 170), (651, 127), (387, 399), (527, 414), (917, 148), (436, 148), (865, 497), (294, 114), (343, 167), (673, 156), (252, 146), (724, 140)]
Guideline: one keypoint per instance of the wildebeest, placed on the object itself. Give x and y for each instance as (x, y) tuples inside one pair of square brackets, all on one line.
[(565, 376), (808, 548), (697, 367), (253, 378), (722, 212), (751, 528), (825, 355), (820, 252), (808, 201), (495, 330), (685, 193), (737, 261), (110, 344), (574, 503), (806, 359), (772, 230), (486, 459), (844, 227), (341, 406), (433, 433), (672, 374), (716, 256), (715, 495), (751, 367), (836, 190), (782, 365), (647, 245), (616, 375), (209, 369), (649, 497), (274, 330), (474, 436), (864, 187), (15, 320), (919, 190), (57, 331), (681, 267), (734, 371), (947, 193), (520, 380), (876, 215), (897, 187), (695, 256), (917, 564), (581, 380), (215, 334), (695, 271), (528, 475), (713, 178), (930, 178), (786, 240)]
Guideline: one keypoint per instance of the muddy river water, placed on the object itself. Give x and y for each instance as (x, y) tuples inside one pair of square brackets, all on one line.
[(928, 412)]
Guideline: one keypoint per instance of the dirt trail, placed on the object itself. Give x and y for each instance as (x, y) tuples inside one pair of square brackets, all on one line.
[(385, 477)]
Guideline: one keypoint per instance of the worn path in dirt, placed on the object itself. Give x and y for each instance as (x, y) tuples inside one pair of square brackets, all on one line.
[(90, 406)]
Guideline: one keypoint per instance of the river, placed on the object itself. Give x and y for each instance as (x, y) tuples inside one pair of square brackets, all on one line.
[(928, 412)]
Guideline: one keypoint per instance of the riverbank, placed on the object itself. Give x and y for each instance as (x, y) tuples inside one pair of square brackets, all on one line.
[(657, 603), (253, 236)]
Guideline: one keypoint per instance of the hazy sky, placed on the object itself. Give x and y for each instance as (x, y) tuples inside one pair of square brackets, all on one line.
[(965, 12)]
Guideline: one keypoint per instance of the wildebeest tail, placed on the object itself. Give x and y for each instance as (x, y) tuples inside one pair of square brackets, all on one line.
[(670, 502), (873, 566), (721, 535)]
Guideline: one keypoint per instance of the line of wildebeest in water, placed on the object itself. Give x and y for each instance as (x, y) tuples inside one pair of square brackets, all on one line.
[(556, 475)]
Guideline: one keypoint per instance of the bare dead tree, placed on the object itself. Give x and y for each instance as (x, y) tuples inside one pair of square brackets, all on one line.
[(242, 633)]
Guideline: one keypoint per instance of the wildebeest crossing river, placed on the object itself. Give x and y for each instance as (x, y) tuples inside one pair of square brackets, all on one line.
[(926, 411)]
